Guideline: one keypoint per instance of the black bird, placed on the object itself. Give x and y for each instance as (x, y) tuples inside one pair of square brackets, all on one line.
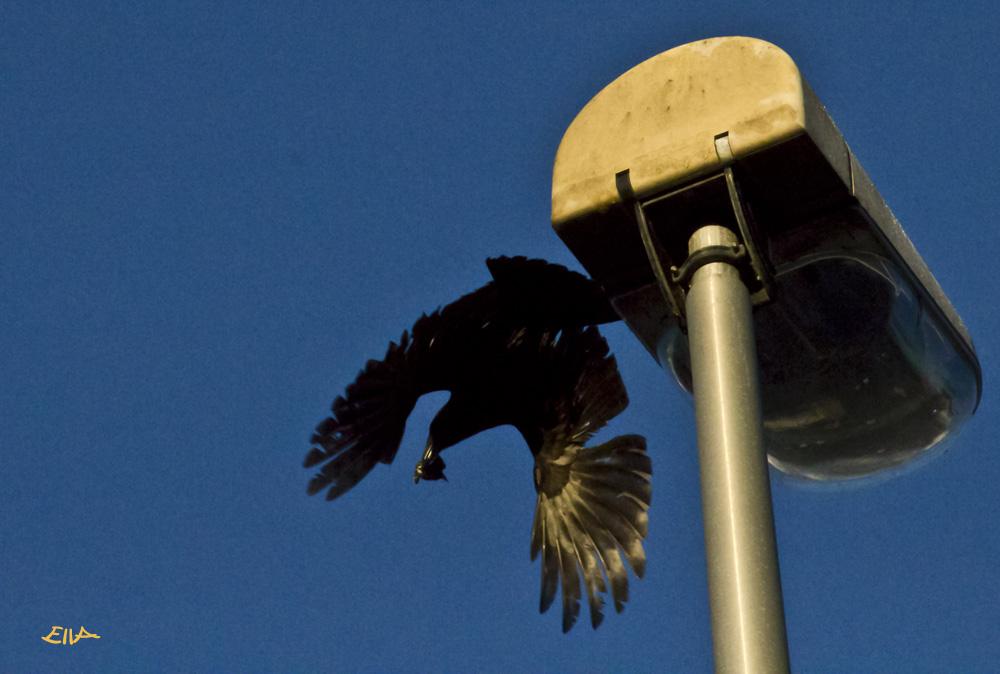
[(517, 351)]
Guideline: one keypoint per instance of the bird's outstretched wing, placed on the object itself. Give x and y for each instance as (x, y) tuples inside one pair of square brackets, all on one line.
[(592, 501), (367, 423)]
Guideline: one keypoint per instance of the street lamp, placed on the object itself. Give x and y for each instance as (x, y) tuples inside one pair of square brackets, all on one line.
[(711, 195)]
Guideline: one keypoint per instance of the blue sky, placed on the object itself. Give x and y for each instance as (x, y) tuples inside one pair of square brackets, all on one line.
[(212, 214)]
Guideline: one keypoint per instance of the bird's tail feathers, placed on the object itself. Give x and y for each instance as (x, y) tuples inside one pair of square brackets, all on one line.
[(589, 511), (366, 426)]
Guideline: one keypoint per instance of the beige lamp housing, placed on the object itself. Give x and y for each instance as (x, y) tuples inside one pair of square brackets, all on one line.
[(864, 364)]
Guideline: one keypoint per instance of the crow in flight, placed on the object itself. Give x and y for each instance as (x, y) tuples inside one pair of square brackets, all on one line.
[(517, 351)]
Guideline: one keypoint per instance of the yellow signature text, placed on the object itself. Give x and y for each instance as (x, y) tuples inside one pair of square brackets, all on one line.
[(67, 636)]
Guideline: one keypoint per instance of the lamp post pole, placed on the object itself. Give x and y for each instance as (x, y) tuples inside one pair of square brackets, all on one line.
[(744, 583)]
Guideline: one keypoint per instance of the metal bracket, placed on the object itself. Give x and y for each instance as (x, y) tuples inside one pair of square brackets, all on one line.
[(671, 292), (673, 279), (733, 254)]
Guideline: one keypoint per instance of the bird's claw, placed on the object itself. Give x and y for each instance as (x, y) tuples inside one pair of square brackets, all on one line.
[(429, 469)]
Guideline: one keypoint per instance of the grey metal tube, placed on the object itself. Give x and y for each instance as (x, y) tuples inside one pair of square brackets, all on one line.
[(744, 583)]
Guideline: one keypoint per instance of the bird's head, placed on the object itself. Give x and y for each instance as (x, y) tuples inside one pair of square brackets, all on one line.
[(431, 467)]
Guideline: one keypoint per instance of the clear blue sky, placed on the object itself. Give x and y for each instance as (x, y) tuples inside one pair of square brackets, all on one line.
[(212, 214)]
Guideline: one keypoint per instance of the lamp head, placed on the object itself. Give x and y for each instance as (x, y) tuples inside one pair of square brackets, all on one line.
[(864, 363)]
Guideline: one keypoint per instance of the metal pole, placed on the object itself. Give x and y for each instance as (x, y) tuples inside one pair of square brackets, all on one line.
[(744, 583)]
